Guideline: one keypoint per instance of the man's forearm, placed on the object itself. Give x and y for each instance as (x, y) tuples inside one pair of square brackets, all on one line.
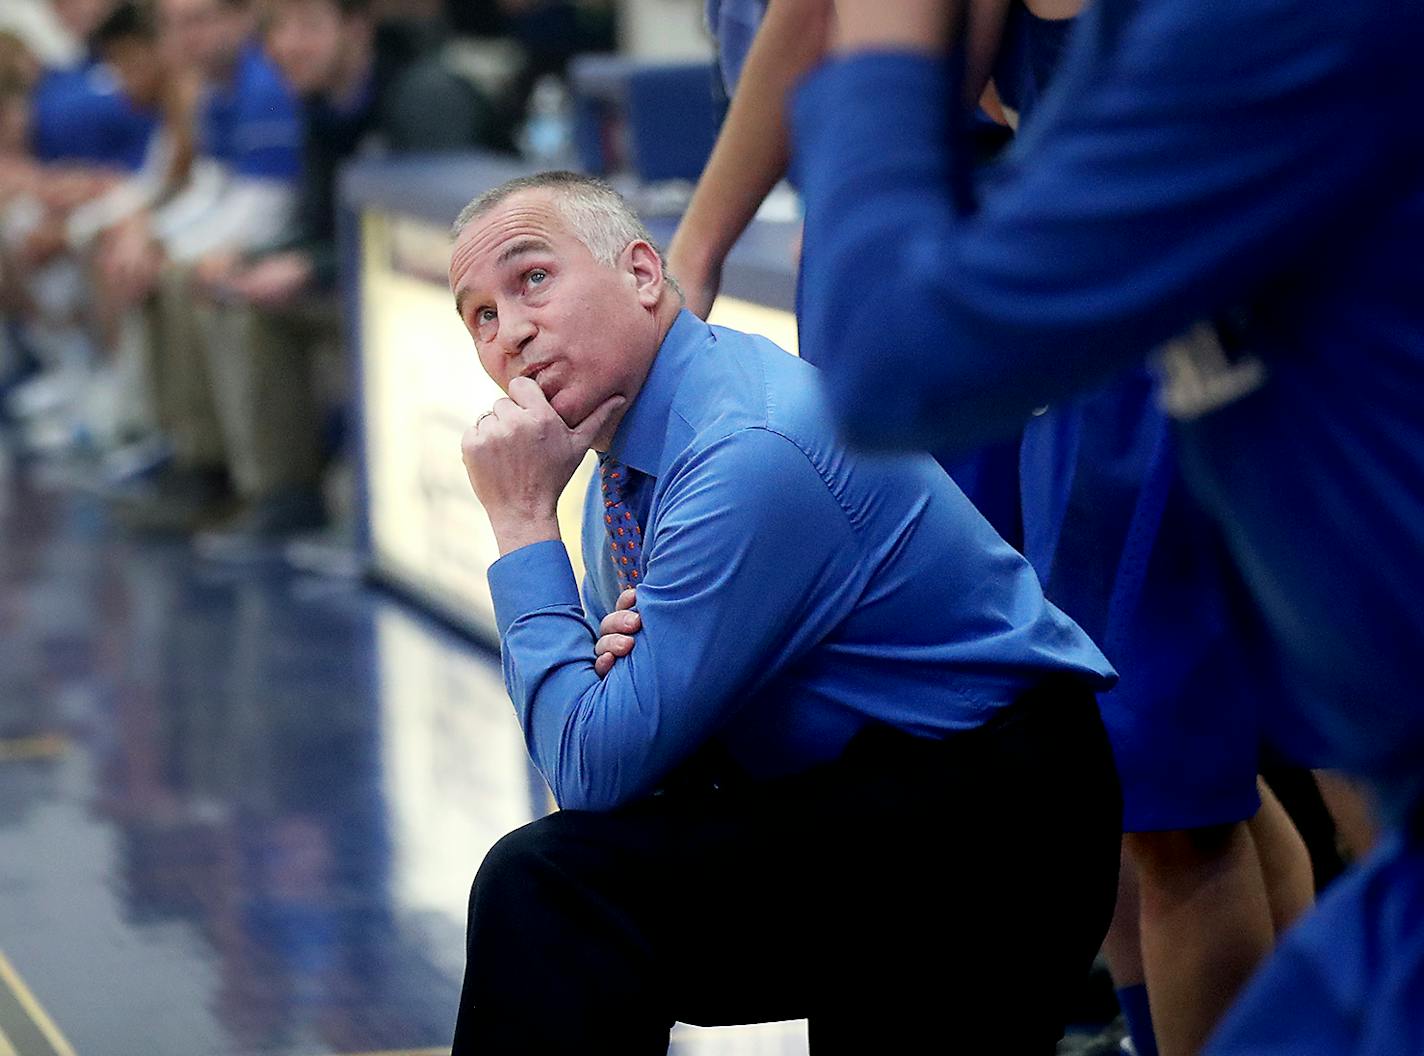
[(513, 531)]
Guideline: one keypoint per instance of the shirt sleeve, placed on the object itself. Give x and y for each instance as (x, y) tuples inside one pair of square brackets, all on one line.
[(735, 588), (245, 214), (592, 608), (1191, 153)]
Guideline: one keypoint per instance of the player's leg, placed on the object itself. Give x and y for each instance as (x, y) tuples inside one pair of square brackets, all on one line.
[(1285, 862), (1206, 926)]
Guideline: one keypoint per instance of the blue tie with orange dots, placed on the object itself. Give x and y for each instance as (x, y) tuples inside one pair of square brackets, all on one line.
[(625, 534)]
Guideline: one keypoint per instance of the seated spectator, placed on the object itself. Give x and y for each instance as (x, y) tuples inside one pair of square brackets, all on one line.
[(17, 75), (360, 93), (82, 114), (364, 88), (129, 43), (121, 423), (240, 194), (815, 730), (126, 44), (242, 190), (45, 300)]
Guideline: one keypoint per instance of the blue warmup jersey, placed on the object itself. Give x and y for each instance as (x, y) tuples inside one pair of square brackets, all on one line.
[(734, 24), (1256, 163), (1349, 979), (989, 476), (1174, 175), (252, 125), (1121, 546), (1127, 551), (81, 115)]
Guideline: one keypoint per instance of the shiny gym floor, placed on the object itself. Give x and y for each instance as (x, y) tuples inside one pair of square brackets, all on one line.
[(240, 809)]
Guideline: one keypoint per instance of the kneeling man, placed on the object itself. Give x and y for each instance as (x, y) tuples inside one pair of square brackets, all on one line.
[(822, 748)]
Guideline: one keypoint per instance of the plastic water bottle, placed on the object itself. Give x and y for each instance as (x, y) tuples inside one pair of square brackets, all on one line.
[(546, 140)]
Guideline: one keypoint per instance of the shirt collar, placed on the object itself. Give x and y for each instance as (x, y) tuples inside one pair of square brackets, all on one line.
[(641, 435)]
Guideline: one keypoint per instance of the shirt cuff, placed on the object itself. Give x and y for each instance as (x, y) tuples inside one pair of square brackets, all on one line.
[(531, 579), (872, 104)]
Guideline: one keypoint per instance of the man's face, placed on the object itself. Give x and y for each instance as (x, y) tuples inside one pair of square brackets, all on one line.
[(137, 64), (205, 35), (306, 39), (82, 17), (538, 304)]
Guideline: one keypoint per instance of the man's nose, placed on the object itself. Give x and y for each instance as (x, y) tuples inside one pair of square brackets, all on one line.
[(516, 330)]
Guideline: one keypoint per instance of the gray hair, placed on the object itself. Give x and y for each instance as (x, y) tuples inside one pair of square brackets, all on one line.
[(596, 214)]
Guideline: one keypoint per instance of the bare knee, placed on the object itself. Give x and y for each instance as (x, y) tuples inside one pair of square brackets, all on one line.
[(1178, 858)]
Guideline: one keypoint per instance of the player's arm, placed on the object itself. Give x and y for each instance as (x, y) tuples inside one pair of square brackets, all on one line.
[(1188, 153), (753, 147)]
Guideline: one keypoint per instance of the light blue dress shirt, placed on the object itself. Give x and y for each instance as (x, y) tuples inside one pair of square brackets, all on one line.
[(793, 591)]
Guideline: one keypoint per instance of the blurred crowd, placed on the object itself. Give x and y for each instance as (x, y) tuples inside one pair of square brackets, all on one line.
[(168, 224)]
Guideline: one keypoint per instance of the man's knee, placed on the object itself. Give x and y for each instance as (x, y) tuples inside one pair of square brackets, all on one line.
[(525, 864), (512, 861)]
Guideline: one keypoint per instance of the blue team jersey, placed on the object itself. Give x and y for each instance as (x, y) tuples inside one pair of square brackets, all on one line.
[(1349, 979), (1254, 163), (989, 476), (82, 115), (252, 125), (1121, 546), (734, 25)]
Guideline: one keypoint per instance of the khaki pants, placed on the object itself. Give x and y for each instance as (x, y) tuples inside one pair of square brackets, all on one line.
[(177, 364), (273, 375)]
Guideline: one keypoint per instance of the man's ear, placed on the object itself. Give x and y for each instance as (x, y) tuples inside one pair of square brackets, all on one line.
[(646, 267)]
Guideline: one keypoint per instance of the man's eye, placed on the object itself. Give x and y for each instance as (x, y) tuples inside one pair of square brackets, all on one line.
[(484, 315), (536, 276)]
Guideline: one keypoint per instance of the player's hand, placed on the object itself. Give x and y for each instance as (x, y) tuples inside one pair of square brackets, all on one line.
[(215, 270), (617, 631), (275, 280), (129, 263), (520, 455), (44, 243)]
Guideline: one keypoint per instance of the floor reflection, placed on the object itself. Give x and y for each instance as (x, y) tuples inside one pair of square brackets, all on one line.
[(239, 813)]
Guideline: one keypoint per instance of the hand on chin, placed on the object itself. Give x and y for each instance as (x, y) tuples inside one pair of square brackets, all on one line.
[(575, 412)]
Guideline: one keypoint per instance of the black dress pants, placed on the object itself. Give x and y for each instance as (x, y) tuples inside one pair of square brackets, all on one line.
[(914, 896)]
